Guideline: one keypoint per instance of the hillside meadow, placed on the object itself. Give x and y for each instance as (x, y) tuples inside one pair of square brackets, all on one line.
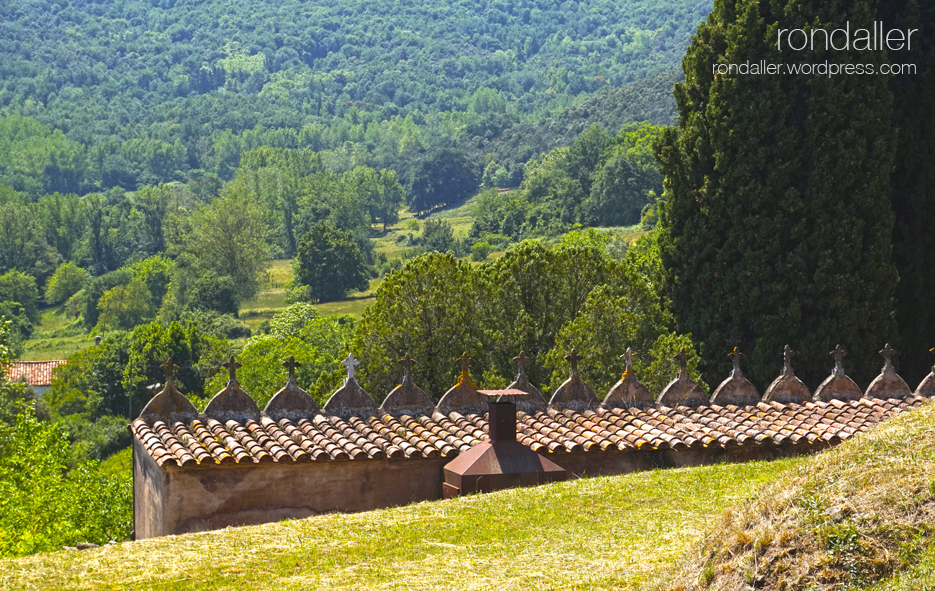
[(617, 532)]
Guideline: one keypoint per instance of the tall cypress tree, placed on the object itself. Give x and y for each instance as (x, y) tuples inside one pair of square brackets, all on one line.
[(778, 224), (913, 185)]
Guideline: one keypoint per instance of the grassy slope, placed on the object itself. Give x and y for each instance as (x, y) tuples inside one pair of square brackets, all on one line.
[(611, 532), (271, 300), (50, 338), (860, 516)]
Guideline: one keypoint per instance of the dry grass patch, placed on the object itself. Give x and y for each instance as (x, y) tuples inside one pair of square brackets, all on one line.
[(848, 518), (602, 533)]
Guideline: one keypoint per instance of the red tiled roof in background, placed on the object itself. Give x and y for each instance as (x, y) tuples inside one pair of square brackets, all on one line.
[(37, 373)]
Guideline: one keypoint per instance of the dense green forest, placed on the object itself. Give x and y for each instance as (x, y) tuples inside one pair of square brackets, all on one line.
[(135, 93)]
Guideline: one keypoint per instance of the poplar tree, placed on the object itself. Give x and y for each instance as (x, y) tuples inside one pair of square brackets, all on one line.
[(778, 222)]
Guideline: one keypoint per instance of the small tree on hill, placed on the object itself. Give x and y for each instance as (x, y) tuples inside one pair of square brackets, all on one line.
[(441, 177), (437, 235), (329, 264), (68, 280)]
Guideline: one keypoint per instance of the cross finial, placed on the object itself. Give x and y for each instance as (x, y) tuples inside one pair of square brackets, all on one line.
[(350, 363), (573, 358), (887, 352), (736, 355), (787, 354), (232, 367), (465, 378), (170, 368), (628, 357), (682, 358), (839, 353), (407, 362), (291, 364), (521, 361)]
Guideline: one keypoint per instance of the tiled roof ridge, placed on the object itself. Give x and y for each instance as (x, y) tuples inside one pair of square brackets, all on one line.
[(351, 425), (232, 403), (199, 439), (35, 373)]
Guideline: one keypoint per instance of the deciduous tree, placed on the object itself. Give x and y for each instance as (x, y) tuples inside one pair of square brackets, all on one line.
[(68, 280), (228, 239), (329, 264)]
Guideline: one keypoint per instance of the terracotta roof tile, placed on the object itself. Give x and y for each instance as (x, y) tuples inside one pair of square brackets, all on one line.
[(34, 373), (324, 437)]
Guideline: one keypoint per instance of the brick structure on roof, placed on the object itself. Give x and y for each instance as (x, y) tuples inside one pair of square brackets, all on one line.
[(235, 464)]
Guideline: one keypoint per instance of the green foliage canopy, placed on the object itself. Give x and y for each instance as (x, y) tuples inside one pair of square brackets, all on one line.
[(67, 280), (777, 227), (43, 506), (19, 287), (536, 299), (228, 238), (328, 264), (318, 343)]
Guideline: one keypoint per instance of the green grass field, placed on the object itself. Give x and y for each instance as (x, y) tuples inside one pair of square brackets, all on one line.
[(51, 339), (616, 532)]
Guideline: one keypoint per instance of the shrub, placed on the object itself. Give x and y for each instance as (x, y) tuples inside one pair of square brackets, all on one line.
[(68, 280), (42, 505), (21, 288), (480, 251)]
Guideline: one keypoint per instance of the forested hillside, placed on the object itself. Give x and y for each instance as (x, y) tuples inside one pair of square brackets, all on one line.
[(156, 156), (169, 90)]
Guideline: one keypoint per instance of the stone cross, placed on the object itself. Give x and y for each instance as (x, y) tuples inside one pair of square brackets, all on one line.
[(350, 363), (407, 362), (838, 354), (682, 358), (628, 357), (232, 367), (465, 378), (887, 352), (291, 364), (573, 358), (787, 354), (170, 368), (736, 355), (521, 360)]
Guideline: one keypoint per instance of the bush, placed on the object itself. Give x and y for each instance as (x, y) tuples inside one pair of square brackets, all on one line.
[(20, 325), (222, 326), (480, 251), (96, 289), (68, 280), (218, 294), (42, 505), (125, 306), (437, 235), (21, 288)]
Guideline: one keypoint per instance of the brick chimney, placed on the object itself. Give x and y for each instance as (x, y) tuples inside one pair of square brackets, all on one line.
[(501, 461)]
